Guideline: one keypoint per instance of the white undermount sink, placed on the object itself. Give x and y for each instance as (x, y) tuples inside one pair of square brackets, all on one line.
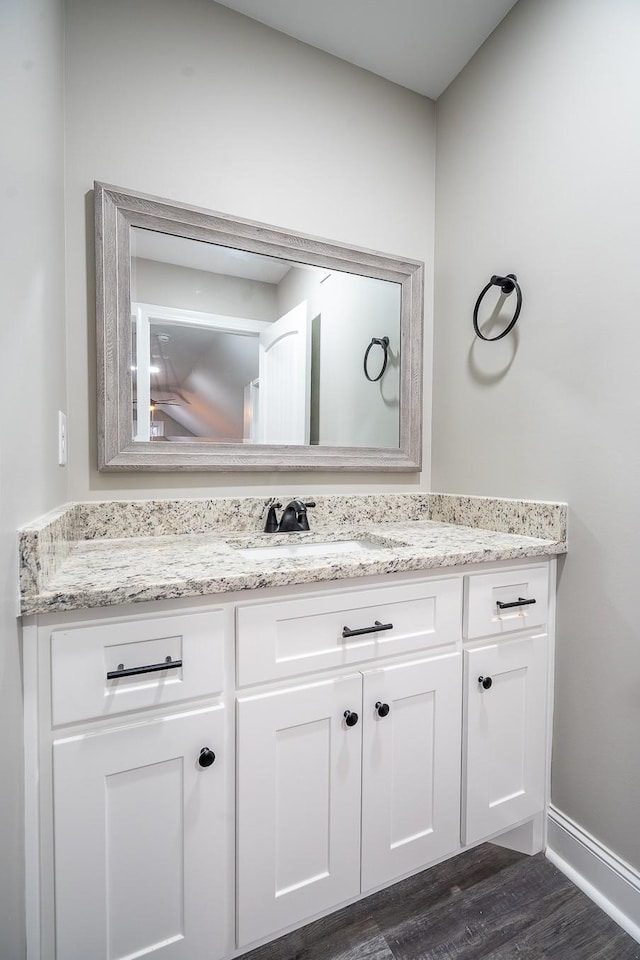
[(315, 549)]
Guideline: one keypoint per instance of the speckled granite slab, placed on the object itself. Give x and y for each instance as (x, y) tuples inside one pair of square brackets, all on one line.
[(150, 518), (43, 546), (46, 542), (98, 554), (529, 518)]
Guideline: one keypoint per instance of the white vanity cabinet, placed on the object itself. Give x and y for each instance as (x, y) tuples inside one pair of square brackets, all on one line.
[(507, 619), (354, 745), (371, 756), (132, 777)]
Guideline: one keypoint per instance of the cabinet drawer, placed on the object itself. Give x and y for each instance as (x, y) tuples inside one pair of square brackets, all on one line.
[(81, 658), (492, 601), (290, 637)]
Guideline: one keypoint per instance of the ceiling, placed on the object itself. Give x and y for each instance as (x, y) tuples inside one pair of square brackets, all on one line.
[(419, 44), (182, 252)]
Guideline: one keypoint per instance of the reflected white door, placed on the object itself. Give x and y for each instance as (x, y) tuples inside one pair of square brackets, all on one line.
[(285, 379), (140, 841), (251, 407)]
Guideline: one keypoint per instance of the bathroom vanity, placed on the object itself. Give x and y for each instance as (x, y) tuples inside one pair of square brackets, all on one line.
[(207, 771)]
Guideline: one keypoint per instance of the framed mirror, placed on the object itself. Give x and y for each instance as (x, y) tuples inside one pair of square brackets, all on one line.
[(225, 344)]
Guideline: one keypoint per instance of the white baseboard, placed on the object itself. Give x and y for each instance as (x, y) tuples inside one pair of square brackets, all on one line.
[(597, 871)]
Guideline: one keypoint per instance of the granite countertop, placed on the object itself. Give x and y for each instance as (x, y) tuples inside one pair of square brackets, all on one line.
[(95, 555)]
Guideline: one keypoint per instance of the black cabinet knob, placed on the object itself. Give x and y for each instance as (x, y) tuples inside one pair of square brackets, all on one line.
[(206, 757), (350, 718), (382, 708), (485, 681)]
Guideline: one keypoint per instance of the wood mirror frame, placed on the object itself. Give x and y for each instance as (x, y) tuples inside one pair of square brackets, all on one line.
[(116, 211)]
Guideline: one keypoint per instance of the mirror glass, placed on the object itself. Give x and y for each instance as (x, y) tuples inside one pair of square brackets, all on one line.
[(235, 347)]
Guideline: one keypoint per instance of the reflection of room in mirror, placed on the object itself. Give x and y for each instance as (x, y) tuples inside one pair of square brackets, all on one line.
[(235, 347)]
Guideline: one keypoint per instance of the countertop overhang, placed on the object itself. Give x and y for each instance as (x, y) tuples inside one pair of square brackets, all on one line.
[(61, 570)]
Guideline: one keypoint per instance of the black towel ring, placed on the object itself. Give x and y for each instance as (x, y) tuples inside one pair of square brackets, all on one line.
[(384, 343), (507, 284)]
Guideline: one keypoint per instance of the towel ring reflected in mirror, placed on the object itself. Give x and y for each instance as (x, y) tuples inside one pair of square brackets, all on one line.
[(384, 343)]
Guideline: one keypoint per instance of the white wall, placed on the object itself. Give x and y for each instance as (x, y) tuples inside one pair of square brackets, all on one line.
[(168, 285), (347, 310), (537, 173), (196, 103), (351, 409), (298, 284), (32, 387)]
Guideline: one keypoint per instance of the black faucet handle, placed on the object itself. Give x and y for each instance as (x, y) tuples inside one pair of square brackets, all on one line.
[(303, 520), (271, 526)]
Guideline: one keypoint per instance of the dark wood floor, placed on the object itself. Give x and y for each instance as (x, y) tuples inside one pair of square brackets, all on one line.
[(487, 904)]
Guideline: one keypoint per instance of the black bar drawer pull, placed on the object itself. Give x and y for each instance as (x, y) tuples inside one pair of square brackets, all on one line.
[(346, 632), (520, 602), (123, 671)]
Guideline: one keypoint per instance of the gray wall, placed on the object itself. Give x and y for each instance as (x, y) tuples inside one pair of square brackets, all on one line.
[(32, 346), (347, 311), (537, 173), (194, 102), (168, 285), (298, 284), (352, 311)]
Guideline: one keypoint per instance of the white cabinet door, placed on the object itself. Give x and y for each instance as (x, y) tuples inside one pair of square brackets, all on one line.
[(411, 766), (299, 767), (506, 721), (139, 831)]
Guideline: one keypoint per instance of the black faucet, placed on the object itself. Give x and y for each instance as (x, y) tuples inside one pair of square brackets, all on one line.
[(294, 517)]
